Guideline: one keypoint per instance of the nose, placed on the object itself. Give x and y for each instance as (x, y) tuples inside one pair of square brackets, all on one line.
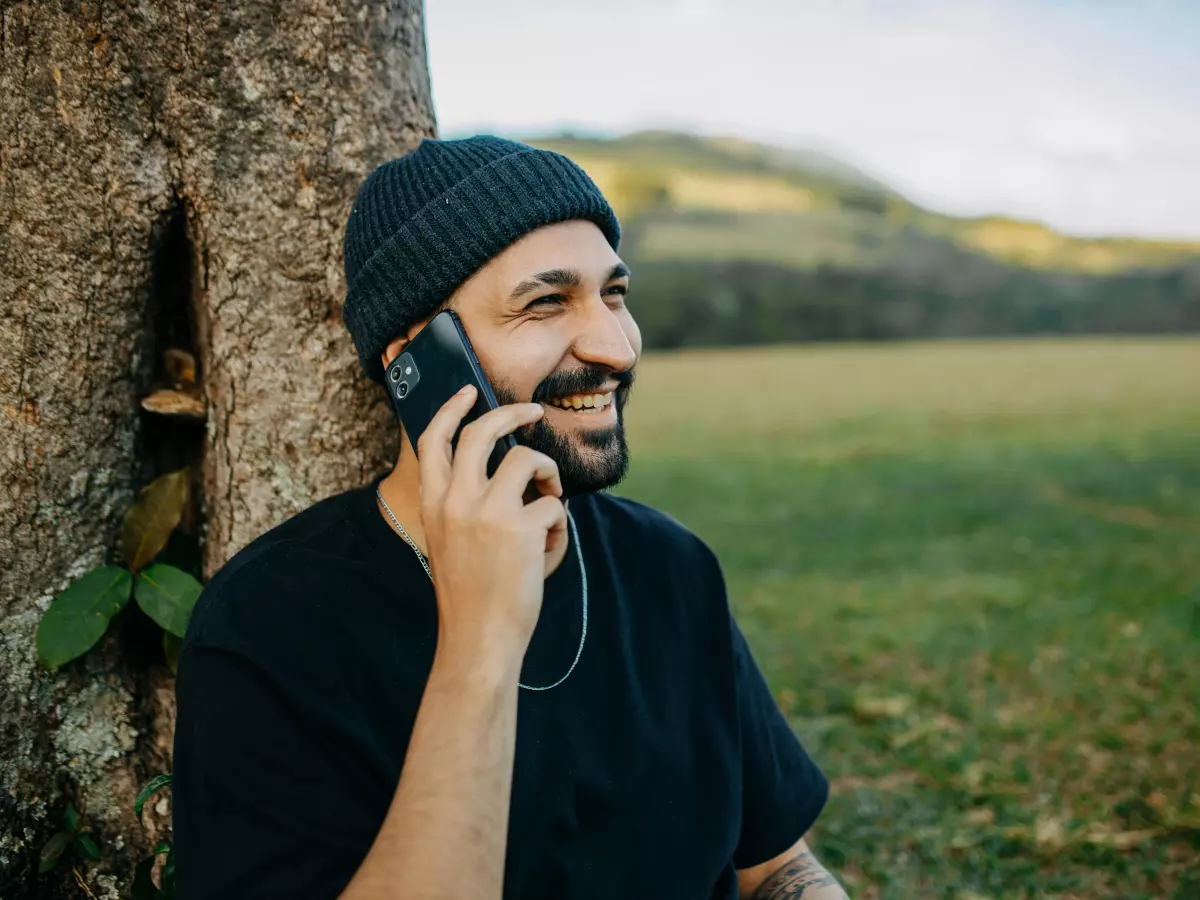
[(603, 338)]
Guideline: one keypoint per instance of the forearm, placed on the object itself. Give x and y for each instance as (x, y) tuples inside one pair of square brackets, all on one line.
[(447, 827), (802, 876)]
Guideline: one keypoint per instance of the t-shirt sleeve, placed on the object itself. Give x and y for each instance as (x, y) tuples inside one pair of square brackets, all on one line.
[(783, 791), (266, 799)]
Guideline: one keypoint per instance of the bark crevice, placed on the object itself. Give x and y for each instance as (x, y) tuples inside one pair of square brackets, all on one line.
[(169, 443)]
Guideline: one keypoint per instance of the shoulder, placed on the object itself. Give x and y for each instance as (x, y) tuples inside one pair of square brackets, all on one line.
[(274, 575), (636, 525), (671, 581)]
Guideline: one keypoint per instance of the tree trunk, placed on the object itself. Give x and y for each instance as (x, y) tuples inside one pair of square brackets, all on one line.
[(172, 174)]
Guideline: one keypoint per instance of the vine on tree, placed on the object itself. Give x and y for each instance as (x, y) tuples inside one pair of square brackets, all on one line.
[(80, 615)]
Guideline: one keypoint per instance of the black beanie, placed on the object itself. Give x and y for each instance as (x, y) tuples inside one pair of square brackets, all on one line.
[(425, 222)]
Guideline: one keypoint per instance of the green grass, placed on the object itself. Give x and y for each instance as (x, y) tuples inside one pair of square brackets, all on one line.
[(971, 572)]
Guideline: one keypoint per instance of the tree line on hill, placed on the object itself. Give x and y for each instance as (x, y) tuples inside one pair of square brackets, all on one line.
[(691, 303)]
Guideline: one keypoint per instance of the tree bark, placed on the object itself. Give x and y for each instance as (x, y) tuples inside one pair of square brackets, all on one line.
[(173, 173)]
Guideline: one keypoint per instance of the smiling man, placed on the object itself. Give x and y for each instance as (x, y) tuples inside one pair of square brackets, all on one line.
[(428, 687)]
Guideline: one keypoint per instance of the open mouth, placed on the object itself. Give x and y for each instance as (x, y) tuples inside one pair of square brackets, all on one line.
[(586, 404)]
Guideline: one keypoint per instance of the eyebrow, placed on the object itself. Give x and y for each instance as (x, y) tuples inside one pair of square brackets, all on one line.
[(561, 278)]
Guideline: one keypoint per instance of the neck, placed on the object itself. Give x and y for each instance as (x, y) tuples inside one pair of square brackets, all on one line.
[(402, 491)]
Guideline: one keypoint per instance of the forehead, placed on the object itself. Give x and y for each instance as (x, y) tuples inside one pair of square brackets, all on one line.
[(578, 244)]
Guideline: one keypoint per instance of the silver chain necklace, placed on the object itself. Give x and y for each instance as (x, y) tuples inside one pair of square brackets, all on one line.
[(582, 576)]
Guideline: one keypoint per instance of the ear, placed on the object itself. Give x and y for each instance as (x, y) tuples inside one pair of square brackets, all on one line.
[(394, 348)]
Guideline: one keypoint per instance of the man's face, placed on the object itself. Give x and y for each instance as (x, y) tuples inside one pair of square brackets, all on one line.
[(548, 321)]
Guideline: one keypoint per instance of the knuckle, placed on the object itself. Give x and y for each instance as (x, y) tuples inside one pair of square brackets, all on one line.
[(546, 461), (455, 510), (472, 430), (516, 459), (551, 506), (523, 454)]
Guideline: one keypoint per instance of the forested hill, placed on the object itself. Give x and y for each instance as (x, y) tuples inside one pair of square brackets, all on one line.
[(738, 242)]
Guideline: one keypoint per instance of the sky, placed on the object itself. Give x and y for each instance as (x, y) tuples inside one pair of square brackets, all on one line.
[(1084, 115)]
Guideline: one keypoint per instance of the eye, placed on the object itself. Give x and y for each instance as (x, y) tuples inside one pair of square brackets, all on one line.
[(548, 299), (621, 289)]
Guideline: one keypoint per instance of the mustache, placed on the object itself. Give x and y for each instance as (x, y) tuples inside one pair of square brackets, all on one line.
[(581, 381)]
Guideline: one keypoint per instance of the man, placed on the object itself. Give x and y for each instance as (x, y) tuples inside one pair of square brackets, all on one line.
[(425, 687)]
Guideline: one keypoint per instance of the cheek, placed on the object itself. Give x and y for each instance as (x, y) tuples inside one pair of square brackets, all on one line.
[(522, 368)]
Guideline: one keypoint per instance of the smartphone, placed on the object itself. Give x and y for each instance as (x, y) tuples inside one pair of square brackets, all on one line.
[(435, 365)]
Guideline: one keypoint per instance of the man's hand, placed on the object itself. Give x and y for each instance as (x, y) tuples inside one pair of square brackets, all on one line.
[(794, 873), (487, 548)]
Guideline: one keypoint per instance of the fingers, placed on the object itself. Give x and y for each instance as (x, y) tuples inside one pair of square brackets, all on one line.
[(520, 466), (433, 446), (547, 512), (478, 438)]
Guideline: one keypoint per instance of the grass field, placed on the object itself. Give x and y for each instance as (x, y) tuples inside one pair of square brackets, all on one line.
[(971, 572)]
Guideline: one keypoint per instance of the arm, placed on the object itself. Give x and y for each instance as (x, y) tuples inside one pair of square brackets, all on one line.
[(448, 821), (446, 831), (794, 873)]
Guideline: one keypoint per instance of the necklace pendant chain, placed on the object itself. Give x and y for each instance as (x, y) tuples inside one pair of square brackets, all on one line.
[(582, 575)]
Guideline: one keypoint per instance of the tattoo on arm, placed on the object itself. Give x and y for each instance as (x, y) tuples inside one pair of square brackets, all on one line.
[(795, 877)]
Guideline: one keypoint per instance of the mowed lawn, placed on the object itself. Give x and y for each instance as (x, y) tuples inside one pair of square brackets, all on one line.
[(971, 573)]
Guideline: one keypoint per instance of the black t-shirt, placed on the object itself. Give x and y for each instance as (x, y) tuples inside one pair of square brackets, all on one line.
[(657, 768)]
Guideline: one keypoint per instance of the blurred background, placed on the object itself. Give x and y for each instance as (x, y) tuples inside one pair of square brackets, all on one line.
[(919, 284)]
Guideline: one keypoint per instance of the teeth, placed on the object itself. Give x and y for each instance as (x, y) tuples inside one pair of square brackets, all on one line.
[(582, 401)]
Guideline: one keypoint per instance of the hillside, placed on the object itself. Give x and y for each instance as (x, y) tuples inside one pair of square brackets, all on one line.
[(734, 242), (734, 199)]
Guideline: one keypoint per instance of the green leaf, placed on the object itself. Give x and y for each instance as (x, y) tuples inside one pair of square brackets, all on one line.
[(152, 518), (79, 616), (71, 818), (163, 847), (53, 851), (167, 594), (153, 786), (86, 847), (143, 885), (171, 645)]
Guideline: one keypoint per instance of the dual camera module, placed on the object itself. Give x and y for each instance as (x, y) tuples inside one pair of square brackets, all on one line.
[(403, 376)]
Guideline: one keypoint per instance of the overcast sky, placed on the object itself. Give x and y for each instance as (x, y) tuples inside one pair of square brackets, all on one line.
[(1084, 114)]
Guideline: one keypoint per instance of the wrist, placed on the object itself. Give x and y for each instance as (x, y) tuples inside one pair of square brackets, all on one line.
[(472, 666)]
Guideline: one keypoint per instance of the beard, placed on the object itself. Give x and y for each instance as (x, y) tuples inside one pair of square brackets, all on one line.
[(590, 459)]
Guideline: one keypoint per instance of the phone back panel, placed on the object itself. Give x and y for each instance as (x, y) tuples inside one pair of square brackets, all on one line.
[(435, 365)]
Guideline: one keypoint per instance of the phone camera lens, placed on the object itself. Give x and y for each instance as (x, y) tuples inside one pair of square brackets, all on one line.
[(402, 390), (395, 374)]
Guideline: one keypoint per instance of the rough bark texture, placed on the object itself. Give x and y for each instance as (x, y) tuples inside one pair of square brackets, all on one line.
[(171, 174)]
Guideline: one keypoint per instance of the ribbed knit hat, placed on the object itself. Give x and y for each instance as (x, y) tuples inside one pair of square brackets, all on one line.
[(425, 222)]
